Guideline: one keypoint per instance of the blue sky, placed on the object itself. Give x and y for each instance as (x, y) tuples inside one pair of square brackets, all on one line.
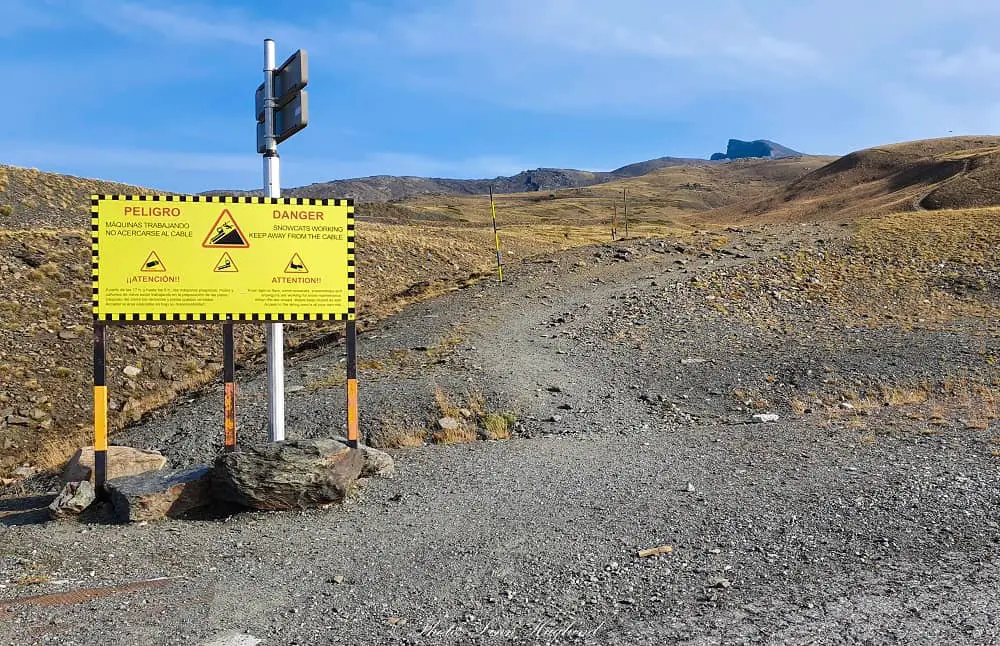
[(160, 94)]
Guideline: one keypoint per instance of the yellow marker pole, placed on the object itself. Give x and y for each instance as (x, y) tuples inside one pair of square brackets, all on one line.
[(625, 202), (614, 221), (496, 236), (352, 385), (100, 408), (351, 341), (229, 380)]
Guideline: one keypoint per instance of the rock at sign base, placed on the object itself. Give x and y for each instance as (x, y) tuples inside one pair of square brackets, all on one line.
[(72, 500), (295, 474), (122, 461), (449, 423), (377, 464), (761, 418), (151, 496)]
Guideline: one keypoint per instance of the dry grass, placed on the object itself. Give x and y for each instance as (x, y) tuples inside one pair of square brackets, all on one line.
[(895, 396), (473, 420), (911, 270), (32, 198), (446, 407), (465, 426), (396, 433), (461, 434), (962, 404), (497, 426)]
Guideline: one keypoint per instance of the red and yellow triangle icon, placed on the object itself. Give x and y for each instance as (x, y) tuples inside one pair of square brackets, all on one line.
[(226, 233)]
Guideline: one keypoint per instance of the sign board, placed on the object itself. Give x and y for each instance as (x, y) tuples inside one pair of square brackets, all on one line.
[(193, 258), (292, 76), (288, 120)]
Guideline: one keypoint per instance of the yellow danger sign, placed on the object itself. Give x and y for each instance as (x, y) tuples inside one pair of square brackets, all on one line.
[(191, 258)]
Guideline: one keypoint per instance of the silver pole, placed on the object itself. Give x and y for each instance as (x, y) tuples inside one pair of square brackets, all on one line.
[(275, 331)]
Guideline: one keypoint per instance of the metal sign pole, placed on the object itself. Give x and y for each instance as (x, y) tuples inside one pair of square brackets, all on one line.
[(272, 188)]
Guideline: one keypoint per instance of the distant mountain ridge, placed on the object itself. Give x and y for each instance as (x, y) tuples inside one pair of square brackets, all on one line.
[(389, 188), (739, 149)]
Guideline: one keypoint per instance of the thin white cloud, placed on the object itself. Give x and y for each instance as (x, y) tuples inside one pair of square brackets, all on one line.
[(587, 56), (644, 29), (975, 63), (651, 58), (188, 24), (204, 27)]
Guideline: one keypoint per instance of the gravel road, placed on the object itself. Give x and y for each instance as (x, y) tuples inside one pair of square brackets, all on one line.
[(834, 525)]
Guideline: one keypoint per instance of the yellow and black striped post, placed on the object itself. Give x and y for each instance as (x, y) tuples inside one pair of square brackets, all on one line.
[(229, 380), (496, 237), (100, 408), (352, 385), (351, 341)]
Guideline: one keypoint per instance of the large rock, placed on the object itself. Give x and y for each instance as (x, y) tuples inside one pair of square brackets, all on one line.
[(122, 461), (153, 495), (295, 474), (72, 500), (377, 464)]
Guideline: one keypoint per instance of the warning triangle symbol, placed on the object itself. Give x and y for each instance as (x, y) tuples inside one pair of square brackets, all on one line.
[(225, 233), (152, 263), (226, 264), (296, 266)]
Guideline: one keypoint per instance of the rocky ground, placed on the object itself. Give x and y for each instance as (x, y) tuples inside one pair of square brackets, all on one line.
[(866, 514)]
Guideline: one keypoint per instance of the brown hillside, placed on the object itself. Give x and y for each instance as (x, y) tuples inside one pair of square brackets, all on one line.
[(933, 174), (657, 198), (30, 198)]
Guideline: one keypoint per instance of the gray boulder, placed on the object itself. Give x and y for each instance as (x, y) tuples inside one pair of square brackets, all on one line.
[(72, 500), (122, 461), (295, 474), (377, 464), (154, 495)]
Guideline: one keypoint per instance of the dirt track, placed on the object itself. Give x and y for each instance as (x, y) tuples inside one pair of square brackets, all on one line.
[(827, 527)]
